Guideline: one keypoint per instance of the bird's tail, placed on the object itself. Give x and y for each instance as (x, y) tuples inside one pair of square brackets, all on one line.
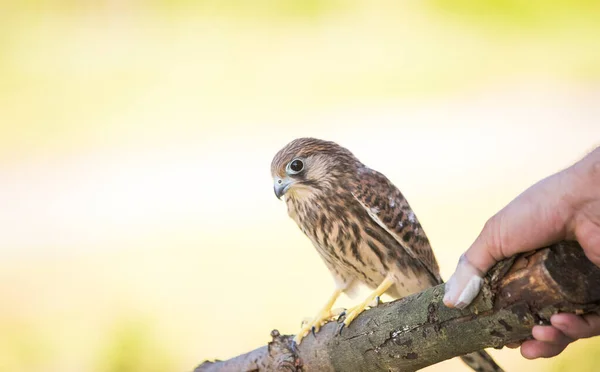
[(481, 361)]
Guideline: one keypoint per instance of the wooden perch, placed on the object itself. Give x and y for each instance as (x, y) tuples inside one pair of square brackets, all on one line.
[(418, 331)]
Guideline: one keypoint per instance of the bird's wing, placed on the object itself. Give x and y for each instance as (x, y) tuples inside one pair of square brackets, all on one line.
[(386, 206)]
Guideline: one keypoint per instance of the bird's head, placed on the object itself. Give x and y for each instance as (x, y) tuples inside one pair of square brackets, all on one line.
[(308, 166)]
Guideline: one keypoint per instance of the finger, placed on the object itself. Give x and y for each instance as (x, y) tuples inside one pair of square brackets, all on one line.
[(575, 326), (587, 231), (534, 219), (586, 223), (548, 342), (463, 286), (590, 247), (550, 335), (533, 349)]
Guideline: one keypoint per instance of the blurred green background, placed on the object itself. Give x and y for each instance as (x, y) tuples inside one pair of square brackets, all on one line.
[(138, 229)]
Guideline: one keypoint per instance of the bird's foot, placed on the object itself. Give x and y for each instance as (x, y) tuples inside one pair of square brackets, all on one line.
[(313, 326), (348, 315), (375, 302), (373, 299)]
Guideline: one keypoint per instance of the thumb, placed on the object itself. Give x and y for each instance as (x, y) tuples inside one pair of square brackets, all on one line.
[(517, 228), (533, 220), (536, 218), (463, 285)]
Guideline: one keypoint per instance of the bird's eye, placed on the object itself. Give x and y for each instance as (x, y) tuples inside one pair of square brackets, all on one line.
[(295, 166)]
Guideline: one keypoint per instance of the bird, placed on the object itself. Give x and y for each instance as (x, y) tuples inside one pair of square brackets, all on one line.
[(361, 225)]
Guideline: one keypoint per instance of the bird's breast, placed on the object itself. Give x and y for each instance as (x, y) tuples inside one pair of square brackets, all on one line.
[(338, 228)]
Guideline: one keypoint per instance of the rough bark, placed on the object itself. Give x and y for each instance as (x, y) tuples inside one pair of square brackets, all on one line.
[(418, 331)]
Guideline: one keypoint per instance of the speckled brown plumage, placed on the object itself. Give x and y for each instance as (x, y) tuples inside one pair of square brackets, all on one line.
[(333, 202), (360, 223)]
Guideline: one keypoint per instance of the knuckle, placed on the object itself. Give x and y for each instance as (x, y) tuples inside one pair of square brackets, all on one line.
[(493, 237), (595, 172), (588, 235), (590, 167), (593, 325), (486, 250), (490, 224)]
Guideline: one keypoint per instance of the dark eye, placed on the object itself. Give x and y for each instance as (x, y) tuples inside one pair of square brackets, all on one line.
[(296, 166)]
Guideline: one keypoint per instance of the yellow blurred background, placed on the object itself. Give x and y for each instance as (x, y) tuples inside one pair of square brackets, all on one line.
[(138, 226)]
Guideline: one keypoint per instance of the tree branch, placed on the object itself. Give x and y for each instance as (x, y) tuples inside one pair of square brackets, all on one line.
[(418, 331)]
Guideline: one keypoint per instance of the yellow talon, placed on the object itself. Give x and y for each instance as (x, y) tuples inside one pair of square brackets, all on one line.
[(325, 315), (355, 311)]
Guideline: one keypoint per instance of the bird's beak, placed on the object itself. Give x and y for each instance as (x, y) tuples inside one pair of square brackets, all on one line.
[(281, 186)]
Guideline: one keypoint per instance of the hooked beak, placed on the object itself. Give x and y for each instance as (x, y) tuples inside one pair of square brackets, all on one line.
[(281, 186)]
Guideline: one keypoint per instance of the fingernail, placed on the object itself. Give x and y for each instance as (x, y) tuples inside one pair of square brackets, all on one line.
[(470, 292), (557, 322)]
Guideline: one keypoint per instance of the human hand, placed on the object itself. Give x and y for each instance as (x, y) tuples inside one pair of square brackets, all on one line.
[(565, 328), (564, 206)]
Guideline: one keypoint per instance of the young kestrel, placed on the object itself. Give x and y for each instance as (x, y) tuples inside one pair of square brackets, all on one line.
[(361, 225)]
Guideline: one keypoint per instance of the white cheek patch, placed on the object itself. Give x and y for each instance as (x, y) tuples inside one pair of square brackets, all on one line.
[(302, 193), (316, 167)]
